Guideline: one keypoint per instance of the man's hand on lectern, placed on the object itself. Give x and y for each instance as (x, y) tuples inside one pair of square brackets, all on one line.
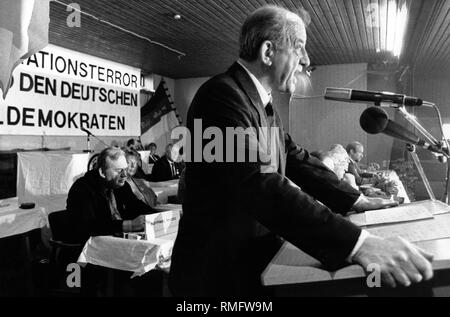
[(368, 203), (400, 262)]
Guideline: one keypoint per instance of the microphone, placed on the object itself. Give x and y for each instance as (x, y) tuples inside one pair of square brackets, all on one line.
[(379, 98), (375, 120), (90, 134)]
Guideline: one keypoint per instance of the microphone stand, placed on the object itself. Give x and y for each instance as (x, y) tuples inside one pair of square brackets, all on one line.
[(445, 196), (412, 150), (99, 140), (88, 141), (88, 144), (446, 143), (413, 120)]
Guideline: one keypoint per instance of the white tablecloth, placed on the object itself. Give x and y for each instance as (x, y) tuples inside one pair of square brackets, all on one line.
[(392, 175), (45, 178), (137, 256), (14, 220)]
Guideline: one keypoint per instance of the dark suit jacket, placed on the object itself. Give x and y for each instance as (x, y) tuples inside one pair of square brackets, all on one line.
[(89, 208), (162, 172), (354, 169), (233, 213), (318, 180), (153, 161)]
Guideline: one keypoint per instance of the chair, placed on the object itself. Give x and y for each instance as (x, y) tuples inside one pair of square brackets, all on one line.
[(63, 252)]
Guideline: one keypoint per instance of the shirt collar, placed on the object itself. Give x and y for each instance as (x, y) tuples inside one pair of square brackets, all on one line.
[(265, 96)]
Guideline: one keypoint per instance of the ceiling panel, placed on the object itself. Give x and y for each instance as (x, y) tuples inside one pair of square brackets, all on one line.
[(341, 31)]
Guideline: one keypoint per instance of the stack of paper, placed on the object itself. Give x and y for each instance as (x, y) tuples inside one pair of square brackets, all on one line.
[(397, 214)]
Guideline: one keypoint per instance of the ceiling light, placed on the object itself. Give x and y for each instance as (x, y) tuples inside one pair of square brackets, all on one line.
[(397, 21), (400, 29), (396, 13)]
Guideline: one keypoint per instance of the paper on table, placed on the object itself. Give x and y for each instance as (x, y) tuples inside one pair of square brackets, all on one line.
[(435, 207), (431, 229), (397, 214), (163, 223)]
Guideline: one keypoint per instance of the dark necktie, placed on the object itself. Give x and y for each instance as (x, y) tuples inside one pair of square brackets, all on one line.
[(271, 123), (269, 109), (172, 167)]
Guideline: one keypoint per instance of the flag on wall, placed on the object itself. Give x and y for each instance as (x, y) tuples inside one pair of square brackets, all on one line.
[(159, 117), (23, 32)]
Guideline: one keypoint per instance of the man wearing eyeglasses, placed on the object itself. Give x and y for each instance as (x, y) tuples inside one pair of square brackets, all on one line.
[(102, 202)]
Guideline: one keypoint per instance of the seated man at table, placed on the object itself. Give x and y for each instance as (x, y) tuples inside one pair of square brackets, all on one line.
[(166, 168), (152, 156), (337, 160), (355, 151), (102, 202), (140, 188)]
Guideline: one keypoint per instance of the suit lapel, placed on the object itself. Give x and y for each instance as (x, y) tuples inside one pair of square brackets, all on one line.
[(247, 85), (265, 138)]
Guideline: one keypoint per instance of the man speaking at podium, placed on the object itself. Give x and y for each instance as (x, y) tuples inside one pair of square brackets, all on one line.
[(235, 212)]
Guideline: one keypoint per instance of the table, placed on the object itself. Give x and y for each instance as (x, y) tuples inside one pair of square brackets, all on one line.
[(46, 177), (14, 221), (391, 175), (137, 256), (294, 273), (18, 223)]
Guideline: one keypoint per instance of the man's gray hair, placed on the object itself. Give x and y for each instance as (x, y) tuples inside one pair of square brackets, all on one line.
[(352, 146), (112, 152), (269, 23), (338, 154)]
